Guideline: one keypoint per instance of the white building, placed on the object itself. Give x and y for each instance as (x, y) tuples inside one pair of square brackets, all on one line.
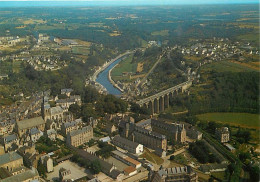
[(128, 145)]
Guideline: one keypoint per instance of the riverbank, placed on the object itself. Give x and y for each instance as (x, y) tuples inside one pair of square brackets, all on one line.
[(102, 80), (112, 81)]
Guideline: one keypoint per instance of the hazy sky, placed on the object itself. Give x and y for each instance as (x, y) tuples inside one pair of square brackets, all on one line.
[(155, 1), (10, 3)]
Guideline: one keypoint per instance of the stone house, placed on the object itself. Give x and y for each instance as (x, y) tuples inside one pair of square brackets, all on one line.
[(35, 134), (78, 137), (10, 142), (23, 127), (68, 127), (11, 161), (222, 134)]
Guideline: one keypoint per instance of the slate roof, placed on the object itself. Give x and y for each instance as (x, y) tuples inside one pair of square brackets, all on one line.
[(29, 174), (120, 154), (51, 131), (9, 157), (56, 110), (115, 173), (175, 171), (30, 123), (106, 167), (69, 124), (149, 133), (66, 90), (171, 127), (210, 167), (125, 142), (34, 131), (79, 131), (9, 138)]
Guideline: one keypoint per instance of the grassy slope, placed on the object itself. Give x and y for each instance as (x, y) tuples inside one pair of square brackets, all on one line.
[(151, 157), (242, 119), (123, 66), (226, 66)]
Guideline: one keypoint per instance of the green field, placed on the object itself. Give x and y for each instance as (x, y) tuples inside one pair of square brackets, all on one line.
[(80, 50), (161, 33), (246, 120), (252, 37), (125, 66), (225, 66)]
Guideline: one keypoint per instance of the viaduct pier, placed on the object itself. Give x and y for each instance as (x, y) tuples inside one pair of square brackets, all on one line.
[(158, 102)]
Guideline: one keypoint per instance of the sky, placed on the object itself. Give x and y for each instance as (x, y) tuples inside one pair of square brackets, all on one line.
[(23, 3)]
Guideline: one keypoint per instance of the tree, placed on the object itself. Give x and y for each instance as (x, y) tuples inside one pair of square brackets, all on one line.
[(255, 173), (90, 95), (243, 156), (76, 110), (243, 136), (139, 110), (96, 166), (88, 111), (41, 169)]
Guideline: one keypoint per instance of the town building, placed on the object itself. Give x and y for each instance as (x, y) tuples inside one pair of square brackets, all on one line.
[(128, 145), (7, 127), (66, 91), (48, 163), (150, 139), (68, 127), (35, 134), (105, 139), (143, 135), (50, 124), (230, 147), (78, 137), (111, 128), (64, 174), (10, 142), (107, 168), (23, 127), (175, 174), (193, 133), (26, 176), (222, 134), (66, 103), (208, 168), (130, 171), (127, 160), (53, 113), (29, 154), (174, 131), (11, 161), (51, 134)]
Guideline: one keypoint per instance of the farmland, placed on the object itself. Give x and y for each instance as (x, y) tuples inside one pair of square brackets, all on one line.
[(246, 120), (161, 33), (226, 66)]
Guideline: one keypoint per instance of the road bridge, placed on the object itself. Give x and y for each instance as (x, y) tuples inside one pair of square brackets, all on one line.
[(158, 102)]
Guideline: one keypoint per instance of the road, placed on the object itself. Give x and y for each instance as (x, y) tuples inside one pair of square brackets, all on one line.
[(150, 71)]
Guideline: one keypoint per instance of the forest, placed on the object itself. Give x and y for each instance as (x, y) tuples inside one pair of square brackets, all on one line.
[(224, 92)]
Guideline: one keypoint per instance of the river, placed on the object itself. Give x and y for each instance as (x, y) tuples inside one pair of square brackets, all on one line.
[(102, 78)]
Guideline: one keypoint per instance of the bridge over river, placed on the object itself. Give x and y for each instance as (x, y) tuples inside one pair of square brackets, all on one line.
[(158, 102)]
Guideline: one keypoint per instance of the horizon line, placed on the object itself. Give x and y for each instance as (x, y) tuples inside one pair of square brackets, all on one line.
[(77, 3)]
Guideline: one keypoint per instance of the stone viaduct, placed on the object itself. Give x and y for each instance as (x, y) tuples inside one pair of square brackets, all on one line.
[(158, 102)]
